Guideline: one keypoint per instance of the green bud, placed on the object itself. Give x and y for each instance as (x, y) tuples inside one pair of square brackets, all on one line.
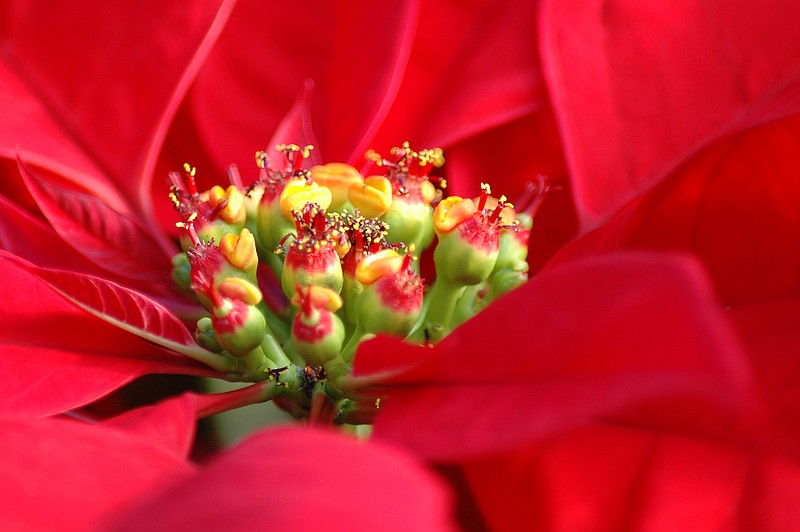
[(239, 327), (468, 254), (182, 271), (317, 336)]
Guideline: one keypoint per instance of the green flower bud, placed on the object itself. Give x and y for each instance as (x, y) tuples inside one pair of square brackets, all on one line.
[(182, 271), (238, 327), (317, 333), (204, 335)]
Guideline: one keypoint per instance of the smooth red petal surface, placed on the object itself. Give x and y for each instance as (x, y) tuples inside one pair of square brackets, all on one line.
[(617, 478), (736, 206), (635, 337), (110, 95), (770, 332), (57, 357), (64, 475), (296, 479), (169, 425), (352, 51), (474, 66), (638, 86)]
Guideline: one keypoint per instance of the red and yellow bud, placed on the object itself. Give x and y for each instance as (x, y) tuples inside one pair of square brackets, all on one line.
[(392, 297), (238, 326), (317, 333)]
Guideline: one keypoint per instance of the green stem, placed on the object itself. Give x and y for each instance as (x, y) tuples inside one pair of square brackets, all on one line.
[(274, 352), (437, 321), (256, 393), (349, 351), (254, 364)]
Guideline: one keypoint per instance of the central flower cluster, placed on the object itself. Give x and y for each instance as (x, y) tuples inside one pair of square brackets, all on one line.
[(301, 266)]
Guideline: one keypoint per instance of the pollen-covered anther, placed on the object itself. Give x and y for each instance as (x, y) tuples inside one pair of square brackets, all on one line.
[(450, 212), (298, 192), (295, 155), (239, 289), (377, 265), (373, 198), (240, 250)]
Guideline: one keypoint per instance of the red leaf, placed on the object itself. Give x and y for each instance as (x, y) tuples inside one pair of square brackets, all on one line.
[(81, 471), (29, 126), (639, 86), (171, 423), (769, 331), (110, 96), (33, 240), (57, 357), (354, 52), (635, 337), (619, 478), (111, 240), (736, 206), (294, 478), (122, 307), (295, 128), (476, 72)]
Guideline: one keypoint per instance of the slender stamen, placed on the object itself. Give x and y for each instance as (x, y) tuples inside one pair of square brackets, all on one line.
[(534, 195), (502, 204), (235, 177), (190, 172), (486, 190)]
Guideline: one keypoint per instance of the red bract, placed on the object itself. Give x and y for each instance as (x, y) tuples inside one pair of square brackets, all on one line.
[(637, 87), (609, 392), (79, 476), (652, 349)]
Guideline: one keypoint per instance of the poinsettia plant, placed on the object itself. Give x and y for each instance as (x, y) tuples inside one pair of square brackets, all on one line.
[(643, 376)]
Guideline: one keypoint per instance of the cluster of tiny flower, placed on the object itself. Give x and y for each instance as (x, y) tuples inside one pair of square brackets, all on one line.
[(298, 268)]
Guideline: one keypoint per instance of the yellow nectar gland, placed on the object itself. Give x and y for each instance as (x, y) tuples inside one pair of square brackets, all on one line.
[(450, 212), (375, 266), (373, 198), (319, 297), (339, 178), (298, 192), (240, 250), (241, 289), (228, 204)]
